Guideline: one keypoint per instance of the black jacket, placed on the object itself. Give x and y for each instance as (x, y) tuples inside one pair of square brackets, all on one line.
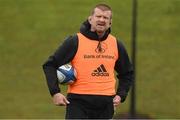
[(66, 52)]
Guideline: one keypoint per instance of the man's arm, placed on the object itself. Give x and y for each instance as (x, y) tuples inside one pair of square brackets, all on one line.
[(125, 73), (63, 55)]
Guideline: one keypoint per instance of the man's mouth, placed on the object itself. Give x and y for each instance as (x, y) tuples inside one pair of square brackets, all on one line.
[(100, 24)]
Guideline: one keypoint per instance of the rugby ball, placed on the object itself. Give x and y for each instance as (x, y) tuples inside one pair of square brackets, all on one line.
[(66, 74)]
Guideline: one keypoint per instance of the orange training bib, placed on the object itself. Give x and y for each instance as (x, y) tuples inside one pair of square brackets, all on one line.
[(95, 67)]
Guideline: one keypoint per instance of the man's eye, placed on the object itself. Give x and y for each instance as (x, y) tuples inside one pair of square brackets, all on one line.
[(98, 16), (106, 18)]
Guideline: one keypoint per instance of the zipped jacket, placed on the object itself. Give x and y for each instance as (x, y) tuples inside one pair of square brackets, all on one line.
[(67, 51)]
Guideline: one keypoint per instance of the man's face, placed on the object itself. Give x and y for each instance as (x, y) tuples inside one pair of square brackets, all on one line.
[(100, 21)]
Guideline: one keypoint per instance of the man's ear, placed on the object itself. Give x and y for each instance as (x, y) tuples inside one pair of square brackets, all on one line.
[(89, 19), (110, 23)]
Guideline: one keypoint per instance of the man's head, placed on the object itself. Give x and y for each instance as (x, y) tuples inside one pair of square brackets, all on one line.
[(100, 18)]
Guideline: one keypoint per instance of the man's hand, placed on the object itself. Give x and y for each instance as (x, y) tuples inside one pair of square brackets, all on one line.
[(60, 100), (116, 100)]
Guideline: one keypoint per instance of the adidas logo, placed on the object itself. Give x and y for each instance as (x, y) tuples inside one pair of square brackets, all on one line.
[(100, 71)]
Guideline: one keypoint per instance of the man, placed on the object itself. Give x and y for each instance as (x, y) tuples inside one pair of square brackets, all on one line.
[(95, 54)]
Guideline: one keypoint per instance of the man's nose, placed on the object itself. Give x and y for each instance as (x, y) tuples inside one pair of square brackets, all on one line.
[(102, 19)]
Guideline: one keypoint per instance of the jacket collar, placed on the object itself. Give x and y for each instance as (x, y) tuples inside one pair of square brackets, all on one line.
[(85, 30)]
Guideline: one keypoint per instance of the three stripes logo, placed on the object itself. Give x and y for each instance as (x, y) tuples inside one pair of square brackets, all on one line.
[(100, 71)]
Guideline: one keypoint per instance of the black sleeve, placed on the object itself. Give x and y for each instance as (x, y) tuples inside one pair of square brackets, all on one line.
[(125, 73), (63, 55)]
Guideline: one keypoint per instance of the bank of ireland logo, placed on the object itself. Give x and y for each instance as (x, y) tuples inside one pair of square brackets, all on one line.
[(101, 48), (100, 71)]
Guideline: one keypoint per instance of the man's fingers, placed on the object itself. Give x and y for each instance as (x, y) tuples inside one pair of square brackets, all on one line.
[(60, 103), (66, 101), (60, 100), (116, 100), (116, 104)]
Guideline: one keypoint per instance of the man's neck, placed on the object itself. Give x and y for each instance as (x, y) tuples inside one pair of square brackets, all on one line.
[(100, 34)]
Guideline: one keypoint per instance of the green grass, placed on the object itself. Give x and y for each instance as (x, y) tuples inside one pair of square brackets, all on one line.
[(158, 58), (30, 30)]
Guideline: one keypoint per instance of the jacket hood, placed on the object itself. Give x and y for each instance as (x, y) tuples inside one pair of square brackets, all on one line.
[(85, 30)]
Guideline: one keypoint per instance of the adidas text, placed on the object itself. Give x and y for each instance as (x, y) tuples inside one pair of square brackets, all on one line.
[(100, 74)]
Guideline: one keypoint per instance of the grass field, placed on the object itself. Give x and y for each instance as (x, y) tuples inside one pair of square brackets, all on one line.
[(30, 30)]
